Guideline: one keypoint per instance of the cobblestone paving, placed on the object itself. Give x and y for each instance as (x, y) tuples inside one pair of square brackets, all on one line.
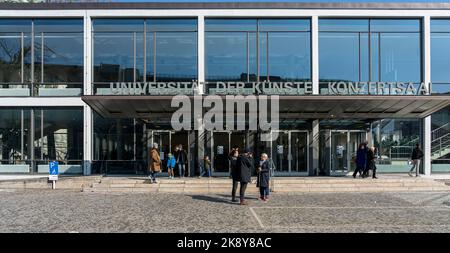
[(69, 211)]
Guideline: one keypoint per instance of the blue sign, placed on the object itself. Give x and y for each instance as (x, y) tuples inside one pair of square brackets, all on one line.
[(53, 168)]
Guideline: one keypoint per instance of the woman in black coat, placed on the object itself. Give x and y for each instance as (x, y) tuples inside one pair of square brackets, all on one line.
[(263, 177)]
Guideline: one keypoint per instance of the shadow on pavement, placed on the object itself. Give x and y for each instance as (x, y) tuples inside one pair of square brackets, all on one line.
[(211, 199)]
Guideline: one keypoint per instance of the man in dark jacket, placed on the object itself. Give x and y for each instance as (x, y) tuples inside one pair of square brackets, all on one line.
[(235, 173), (416, 155), (245, 166), (181, 159)]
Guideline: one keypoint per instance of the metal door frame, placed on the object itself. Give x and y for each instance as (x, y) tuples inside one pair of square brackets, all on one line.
[(290, 172), (348, 159), (151, 137)]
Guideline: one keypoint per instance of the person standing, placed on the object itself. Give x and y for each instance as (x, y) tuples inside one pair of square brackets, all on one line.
[(416, 155), (235, 173), (361, 156), (371, 162), (181, 159), (245, 166), (170, 165), (263, 177), (155, 163), (206, 168)]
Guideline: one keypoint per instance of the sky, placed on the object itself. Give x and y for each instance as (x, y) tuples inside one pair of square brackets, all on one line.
[(334, 1)]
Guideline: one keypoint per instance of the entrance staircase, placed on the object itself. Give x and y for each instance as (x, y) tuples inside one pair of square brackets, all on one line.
[(140, 184), (386, 183)]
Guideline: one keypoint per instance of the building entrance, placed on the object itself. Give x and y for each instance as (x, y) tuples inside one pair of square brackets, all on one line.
[(344, 144), (167, 142), (289, 152)]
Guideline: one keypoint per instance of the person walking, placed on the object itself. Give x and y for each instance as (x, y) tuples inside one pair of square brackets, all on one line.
[(263, 177), (361, 156), (155, 163), (170, 165), (206, 167), (371, 162), (235, 173), (416, 155), (181, 159), (245, 167)]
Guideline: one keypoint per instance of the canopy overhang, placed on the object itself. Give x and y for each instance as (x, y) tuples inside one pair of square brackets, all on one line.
[(300, 107)]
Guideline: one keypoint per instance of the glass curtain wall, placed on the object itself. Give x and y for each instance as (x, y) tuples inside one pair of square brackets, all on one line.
[(143, 50), (440, 141), (369, 50), (41, 57), (31, 138), (119, 146), (394, 140), (440, 55), (250, 50)]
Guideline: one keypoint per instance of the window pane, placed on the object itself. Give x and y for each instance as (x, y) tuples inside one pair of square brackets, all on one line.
[(58, 25), (118, 25), (15, 25), (10, 58), (440, 25), (440, 57), (176, 56), (150, 57), (63, 58), (400, 57), (140, 57), (218, 25), (14, 132), (253, 58), (263, 57), (226, 56), (113, 57), (284, 25), (395, 25), (61, 135), (343, 25), (167, 25), (338, 56), (289, 56)]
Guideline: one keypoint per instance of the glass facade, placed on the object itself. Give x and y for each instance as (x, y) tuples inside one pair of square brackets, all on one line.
[(249, 50), (440, 53), (369, 50), (143, 50), (395, 139), (44, 57), (41, 57), (30, 138)]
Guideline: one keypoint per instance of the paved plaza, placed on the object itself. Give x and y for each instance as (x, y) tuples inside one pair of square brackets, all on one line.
[(72, 211)]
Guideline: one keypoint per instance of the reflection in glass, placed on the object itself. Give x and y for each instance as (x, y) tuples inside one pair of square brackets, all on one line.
[(225, 56), (339, 56), (10, 58), (113, 57), (400, 57), (176, 56), (63, 58), (289, 56)]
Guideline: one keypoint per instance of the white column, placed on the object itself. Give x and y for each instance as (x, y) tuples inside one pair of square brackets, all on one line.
[(201, 133), (201, 53), (314, 149), (426, 79), (87, 111), (315, 53)]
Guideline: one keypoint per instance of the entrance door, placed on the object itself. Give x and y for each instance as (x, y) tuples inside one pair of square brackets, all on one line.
[(339, 154), (344, 144), (290, 153), (167, 141)]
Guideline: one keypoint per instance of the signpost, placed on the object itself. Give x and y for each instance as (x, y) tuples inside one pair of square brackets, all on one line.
[(53, 173)]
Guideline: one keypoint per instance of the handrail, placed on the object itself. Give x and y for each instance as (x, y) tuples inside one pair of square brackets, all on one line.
[(443, 136), (446, 124), (436, 132)]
